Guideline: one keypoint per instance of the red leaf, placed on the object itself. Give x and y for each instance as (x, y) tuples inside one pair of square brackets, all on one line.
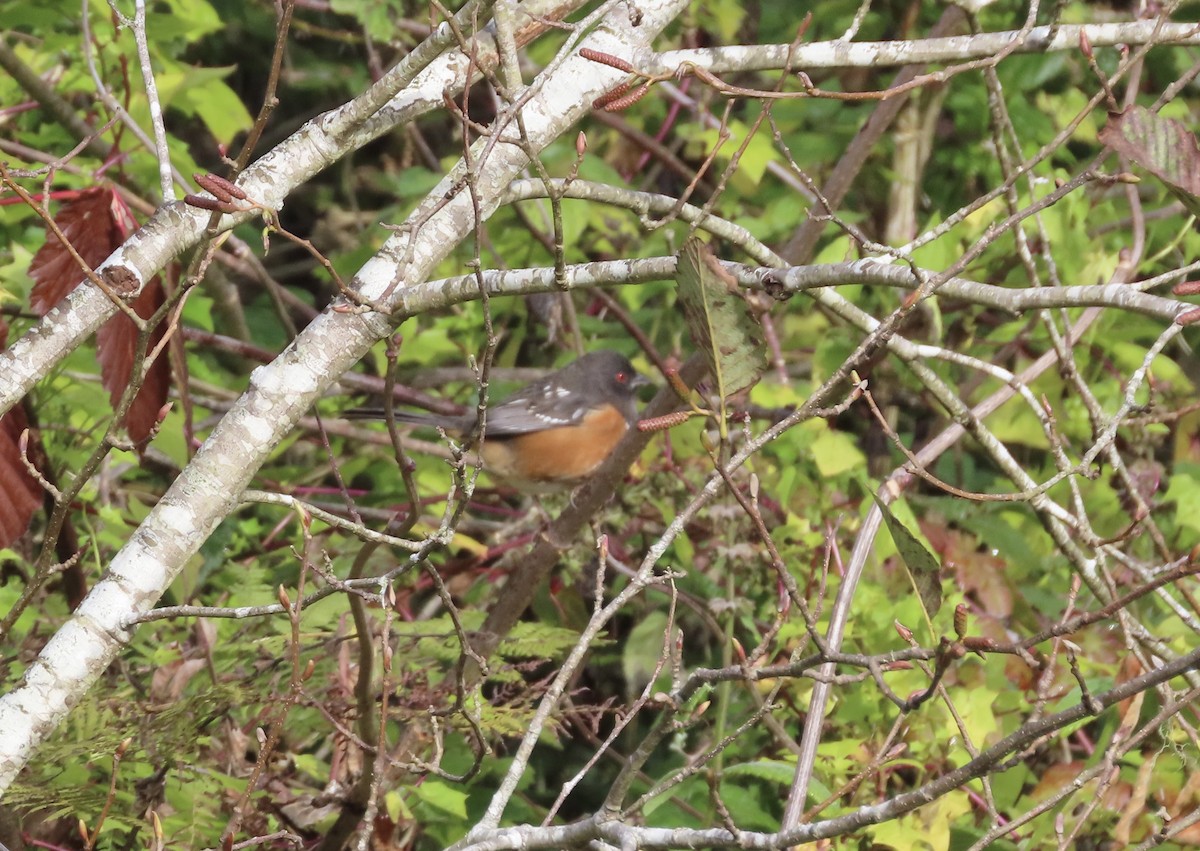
[(116, 343), (95, 223), (20, 494), (1164, 147)]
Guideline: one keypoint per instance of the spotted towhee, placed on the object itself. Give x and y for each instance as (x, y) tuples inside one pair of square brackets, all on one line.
[(552, 433)]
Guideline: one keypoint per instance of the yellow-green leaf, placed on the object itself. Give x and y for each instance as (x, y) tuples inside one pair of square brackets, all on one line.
[(923, 568), (719, 320)]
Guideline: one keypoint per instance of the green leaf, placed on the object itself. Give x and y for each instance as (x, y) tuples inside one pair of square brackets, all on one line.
[(928, 827), (747, 807), (538, 641), (719, 321), (195, 19), (438, 795), (835, 452), (218, 107), (643, 649), (1014, 422), (772, 770), (1184, 491), (757, 154), (923, 568), (397, 807)]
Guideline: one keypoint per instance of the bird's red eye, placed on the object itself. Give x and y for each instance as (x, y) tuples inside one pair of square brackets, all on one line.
[(622, 377)]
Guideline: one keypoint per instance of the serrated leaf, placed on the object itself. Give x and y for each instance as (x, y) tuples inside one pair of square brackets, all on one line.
[(1165, 148), (719, 321), (923, 568), (538, 641)]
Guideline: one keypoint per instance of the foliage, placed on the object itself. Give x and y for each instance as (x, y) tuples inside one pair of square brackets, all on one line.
[(1047, 525)]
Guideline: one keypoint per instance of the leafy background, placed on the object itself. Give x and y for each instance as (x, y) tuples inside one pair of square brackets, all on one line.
[(191, 695)]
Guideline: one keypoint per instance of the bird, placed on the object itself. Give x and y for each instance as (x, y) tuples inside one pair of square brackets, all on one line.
[(553, 433)]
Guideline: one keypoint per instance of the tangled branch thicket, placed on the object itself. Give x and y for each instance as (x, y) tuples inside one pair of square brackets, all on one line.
[(296, 630)]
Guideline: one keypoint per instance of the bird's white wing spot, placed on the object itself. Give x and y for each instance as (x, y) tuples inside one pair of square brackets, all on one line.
[(550, 419)]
